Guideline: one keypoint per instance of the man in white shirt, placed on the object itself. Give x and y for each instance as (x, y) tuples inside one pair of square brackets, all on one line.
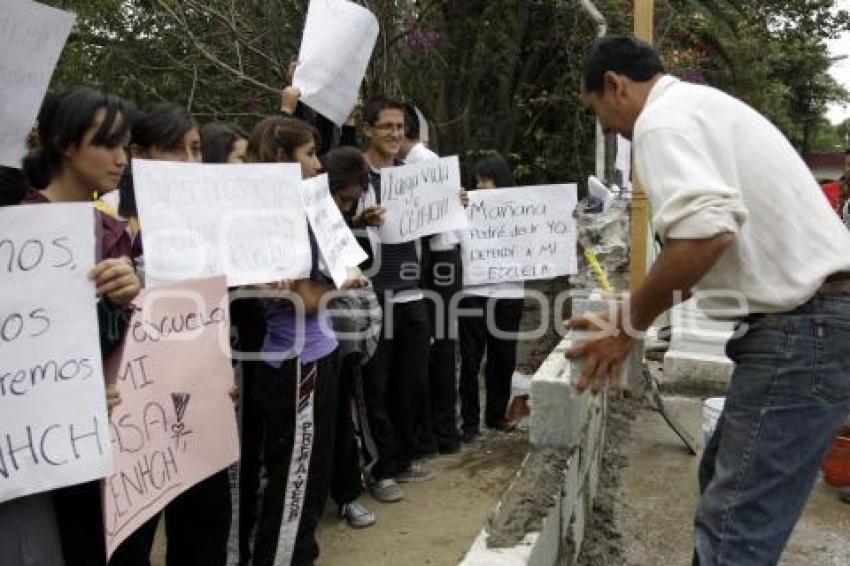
[(747, 230)]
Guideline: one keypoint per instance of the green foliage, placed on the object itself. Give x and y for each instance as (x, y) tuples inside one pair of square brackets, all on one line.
[(490, 74), (771, 54)]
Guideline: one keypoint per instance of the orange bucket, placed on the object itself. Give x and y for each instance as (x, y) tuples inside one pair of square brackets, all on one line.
[(836, 466)]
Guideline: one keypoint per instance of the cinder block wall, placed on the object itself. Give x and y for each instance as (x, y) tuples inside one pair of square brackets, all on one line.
[(575, 423)]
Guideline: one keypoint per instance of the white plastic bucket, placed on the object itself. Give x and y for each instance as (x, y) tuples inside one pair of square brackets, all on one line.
[(711, 409)]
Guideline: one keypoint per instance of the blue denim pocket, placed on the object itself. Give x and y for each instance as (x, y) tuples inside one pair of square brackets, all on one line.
[(762, 344), (831, 374)]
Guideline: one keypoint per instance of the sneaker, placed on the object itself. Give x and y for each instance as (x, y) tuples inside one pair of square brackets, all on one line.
[(386, 491), (357, 515), (844, 494), (415, 473)]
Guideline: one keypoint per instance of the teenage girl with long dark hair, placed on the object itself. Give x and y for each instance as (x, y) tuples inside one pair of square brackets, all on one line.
[(82, 137)]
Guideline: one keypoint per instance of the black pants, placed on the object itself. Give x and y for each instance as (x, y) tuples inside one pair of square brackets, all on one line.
[(346, 484), (395, 386), (475, 338), (197, 526), (443, 275), (79, 515), (275, 394), (249, 319)]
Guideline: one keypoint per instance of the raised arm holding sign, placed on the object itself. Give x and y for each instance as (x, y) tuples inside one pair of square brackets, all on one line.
[(199, 220), (519, 234), (421, 199), (339, 37), (32, 36), (53, 422)]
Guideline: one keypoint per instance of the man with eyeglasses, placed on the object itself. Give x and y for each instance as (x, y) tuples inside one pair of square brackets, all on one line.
[(395, 381)]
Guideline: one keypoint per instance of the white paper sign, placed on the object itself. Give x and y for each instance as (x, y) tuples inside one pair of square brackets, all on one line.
[(53, 423), (338, 40), (421, 199), (520, 233), (337, 244), (244, 221), (32, 36)]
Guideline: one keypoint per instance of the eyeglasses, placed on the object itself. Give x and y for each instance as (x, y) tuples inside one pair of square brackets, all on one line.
[(389, 127)]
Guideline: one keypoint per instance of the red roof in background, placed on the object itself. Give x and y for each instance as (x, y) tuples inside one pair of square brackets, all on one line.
[(824, 160)]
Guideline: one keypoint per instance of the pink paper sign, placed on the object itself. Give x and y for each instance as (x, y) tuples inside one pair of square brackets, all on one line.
[(176, 423)]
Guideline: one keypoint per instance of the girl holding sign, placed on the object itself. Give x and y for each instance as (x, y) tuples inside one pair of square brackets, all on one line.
[(359, 314), (226, 143), (82, 137), (505, 300), (197, 522), (295, 389)]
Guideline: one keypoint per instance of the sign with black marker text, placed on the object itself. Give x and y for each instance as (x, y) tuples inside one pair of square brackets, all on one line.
[(520, 234), (176, 424), (421, 199), (53, 423)]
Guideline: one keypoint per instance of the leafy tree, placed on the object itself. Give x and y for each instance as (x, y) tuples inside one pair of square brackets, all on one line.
[(490, 74)]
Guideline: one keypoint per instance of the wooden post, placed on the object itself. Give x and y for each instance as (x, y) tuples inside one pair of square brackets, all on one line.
[(643, 19), (640, 205)]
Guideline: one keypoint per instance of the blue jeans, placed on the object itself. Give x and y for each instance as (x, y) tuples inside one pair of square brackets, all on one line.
[(789, 394)]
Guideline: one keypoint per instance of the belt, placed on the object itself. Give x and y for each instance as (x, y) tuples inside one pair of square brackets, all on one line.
[(835, 284)]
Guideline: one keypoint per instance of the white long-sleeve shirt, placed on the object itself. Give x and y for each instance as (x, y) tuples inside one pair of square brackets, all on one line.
[(711, 164)]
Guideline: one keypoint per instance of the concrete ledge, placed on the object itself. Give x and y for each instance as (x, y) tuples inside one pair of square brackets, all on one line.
[(693, 367), (560, 419)]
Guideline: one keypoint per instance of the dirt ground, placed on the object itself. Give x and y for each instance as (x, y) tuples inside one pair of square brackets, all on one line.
[(659, 493), (438, 520)]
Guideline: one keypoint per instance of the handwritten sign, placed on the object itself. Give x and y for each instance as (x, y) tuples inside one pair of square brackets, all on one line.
[(176, 424), (520, 233), (339, 248), (32, 36), (421, 199), (198, 220), (53, 423), (338, 40)]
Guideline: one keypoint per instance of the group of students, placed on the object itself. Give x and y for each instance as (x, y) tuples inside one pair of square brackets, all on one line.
[(400, 371)]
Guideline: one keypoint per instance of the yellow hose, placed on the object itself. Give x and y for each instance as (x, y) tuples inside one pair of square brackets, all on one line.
[(597, 270)]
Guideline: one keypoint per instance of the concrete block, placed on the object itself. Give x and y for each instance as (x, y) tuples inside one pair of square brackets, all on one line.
[(557, 412), (593, 474), (685, 366), (572, 486), (632, 378), (583, 303), (547, 546), (578, 524)]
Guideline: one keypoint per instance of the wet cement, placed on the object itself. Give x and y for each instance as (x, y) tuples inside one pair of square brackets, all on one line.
[(603, 544), (527, 502)]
